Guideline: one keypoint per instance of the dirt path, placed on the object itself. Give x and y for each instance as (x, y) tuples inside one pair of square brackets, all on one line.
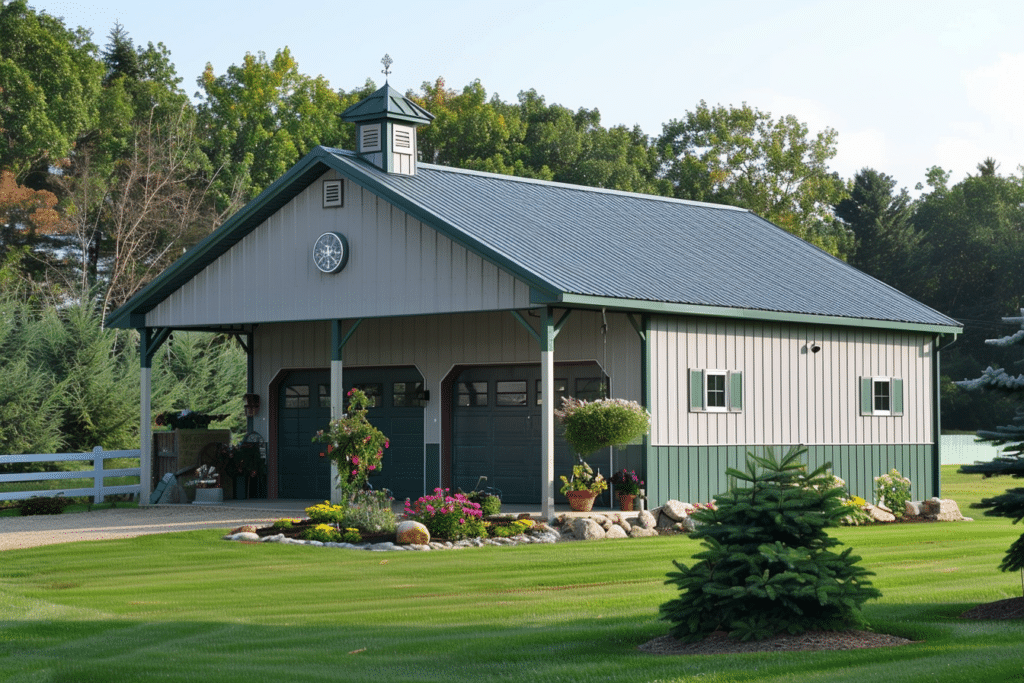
[(29, 532)]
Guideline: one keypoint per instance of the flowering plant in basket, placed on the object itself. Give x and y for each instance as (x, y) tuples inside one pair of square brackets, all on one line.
[(354, 444), (626, 482), (584, 479), (451, 517), (590, 425)]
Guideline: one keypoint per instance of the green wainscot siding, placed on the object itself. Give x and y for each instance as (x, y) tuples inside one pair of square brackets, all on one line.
[(696, 474)]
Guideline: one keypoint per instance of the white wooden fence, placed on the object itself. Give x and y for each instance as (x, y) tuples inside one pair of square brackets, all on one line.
[(98, 473)]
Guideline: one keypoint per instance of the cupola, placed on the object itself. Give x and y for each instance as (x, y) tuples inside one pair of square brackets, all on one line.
[(386, 124)]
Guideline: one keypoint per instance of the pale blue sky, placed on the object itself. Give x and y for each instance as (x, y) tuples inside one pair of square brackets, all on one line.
[(907, 85)]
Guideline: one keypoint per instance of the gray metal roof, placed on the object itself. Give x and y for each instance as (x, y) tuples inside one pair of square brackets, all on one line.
[(622, 245), (567, 241)]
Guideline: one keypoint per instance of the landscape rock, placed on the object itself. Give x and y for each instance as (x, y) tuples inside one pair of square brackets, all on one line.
[(914, 508), (624, 524), (412, 533), (586, 529), (646, 520), (879, 514), (243, 536), (665, 522), (616, 531), (677, 510), (943, 510), (641, 532)]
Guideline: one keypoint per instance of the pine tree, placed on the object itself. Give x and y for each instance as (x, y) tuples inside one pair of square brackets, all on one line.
[(1011, 461), (768, 564)]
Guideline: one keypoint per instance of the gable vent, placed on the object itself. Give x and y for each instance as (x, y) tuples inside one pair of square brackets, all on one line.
[(369, 138), (334, 194), (402, 137)]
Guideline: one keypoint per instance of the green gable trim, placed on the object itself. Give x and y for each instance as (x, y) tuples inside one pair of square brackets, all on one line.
[(589, 301)]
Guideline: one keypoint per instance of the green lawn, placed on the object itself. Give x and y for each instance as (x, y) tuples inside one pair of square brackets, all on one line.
[(189, 607)]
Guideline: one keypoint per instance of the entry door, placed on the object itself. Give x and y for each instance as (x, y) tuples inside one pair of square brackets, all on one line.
[(496, 432), (305, 408)]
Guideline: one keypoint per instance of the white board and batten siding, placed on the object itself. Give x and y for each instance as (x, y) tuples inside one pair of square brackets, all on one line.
[(791, 395), (397, 266), (436, 344)]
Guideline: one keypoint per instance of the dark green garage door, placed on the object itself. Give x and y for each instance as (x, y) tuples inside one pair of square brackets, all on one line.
[(305, 408), (496, 426)]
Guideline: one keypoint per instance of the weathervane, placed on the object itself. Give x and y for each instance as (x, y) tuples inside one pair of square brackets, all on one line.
[(387, 62)]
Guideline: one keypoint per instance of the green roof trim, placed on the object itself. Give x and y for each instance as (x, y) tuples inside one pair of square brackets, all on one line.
[(584, 301)]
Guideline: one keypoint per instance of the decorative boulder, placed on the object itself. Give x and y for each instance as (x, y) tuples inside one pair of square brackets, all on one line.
[(879, 514), (913, 508), (585, 529), (412, 533), (616, 531), (676, 510), (944, 510), (646, 520), (641, 532)]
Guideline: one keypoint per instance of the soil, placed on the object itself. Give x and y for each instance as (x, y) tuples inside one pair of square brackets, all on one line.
[(1011, 608)]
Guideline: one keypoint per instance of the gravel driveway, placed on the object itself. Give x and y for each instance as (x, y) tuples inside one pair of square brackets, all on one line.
[(36, 530)]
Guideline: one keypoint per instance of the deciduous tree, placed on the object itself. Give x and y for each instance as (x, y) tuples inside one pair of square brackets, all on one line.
[(743, 157)]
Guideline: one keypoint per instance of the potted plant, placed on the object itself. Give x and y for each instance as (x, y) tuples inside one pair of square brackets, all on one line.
[(207, 484), (242, 463), (583, 487), (627, 488)]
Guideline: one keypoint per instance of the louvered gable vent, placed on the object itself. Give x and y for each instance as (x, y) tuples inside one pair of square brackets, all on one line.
[(334, 193)]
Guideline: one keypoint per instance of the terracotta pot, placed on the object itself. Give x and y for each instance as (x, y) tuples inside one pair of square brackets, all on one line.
[(581, 501), (626, 501)]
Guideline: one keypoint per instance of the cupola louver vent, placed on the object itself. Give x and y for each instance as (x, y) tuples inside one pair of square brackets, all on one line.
[(369, 138), (403, 138)]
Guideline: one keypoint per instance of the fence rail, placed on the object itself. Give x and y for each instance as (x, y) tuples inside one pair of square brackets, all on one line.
[(98, 473)]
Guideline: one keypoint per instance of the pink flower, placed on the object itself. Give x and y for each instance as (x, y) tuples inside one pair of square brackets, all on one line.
[(387, 443), (372, 467), (380, 452), (367, 439), (355, 473), (462, 521), (355, 459), (350, 391)]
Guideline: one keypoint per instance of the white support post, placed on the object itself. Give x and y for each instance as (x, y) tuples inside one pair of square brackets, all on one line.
[(337, 410), (547, 418), (146, 436)]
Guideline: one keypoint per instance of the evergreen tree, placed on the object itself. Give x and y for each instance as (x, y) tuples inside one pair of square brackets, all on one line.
[(1011, 461), (768, 564)]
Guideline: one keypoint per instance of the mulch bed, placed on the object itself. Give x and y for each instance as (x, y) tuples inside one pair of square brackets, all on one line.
[(1011, 608)]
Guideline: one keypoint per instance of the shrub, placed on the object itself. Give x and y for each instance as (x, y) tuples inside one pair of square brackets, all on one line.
[(767, 566), (44, 505), (325, 513), (446, 516), (356, 446), (513, 528), (351, 536), (894, 489), (590, 425), (370, 511), (325, 533), (490, 504)]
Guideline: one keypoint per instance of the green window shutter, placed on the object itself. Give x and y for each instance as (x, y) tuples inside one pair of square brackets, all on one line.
[(897, 396), (736, 391), (866, 402), (696, 390)]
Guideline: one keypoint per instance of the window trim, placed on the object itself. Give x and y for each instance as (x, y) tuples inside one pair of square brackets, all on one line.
[(699, 390), (867, 396)]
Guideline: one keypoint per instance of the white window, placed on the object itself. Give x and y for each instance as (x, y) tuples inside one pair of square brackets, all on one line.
[(881, 396), (716, 391)]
